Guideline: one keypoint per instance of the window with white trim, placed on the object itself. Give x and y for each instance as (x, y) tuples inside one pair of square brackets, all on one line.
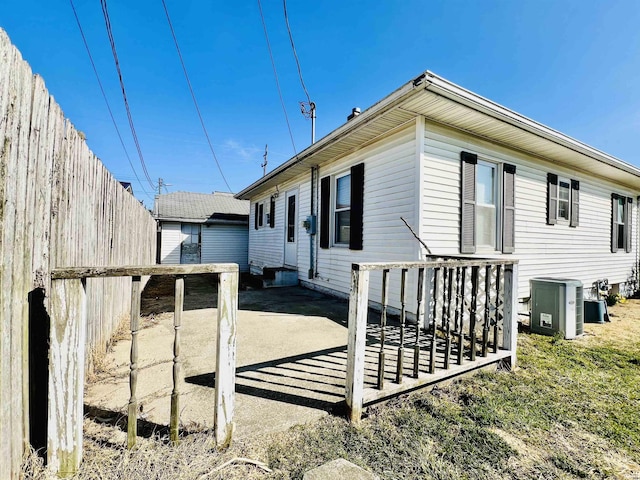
[(487, 219), (486, 205), (621, 215), (563, 200), (342, 209)]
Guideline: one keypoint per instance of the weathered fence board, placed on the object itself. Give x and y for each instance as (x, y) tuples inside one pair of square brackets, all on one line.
[(226, 358), (59, 207), (66, 375)]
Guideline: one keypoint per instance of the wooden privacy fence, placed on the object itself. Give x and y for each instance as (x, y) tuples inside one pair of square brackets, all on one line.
[(59, 207), (66, 360), (465, 318)]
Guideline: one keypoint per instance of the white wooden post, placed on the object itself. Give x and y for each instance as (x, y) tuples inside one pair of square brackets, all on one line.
[(358, 305), (226, 358), (66, 375), (510, 325)]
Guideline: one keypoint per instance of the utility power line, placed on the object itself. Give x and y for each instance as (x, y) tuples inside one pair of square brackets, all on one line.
[(193, 95), (112, 42), (293, 47), (275, 72), (106, 101), (311, 112)]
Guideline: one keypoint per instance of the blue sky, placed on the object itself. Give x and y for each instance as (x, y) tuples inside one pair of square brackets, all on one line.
[(570, 64)]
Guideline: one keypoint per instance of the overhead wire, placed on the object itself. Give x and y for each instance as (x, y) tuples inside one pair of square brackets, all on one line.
[(193, 95), (104, 96), (275, 72), (112, 42), (295, 54)]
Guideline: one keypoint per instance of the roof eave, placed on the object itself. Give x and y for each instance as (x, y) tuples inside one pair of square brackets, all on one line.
[(357, 122)]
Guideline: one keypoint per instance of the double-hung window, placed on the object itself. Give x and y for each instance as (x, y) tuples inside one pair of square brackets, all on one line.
[(342, 209), (621, 208), (563, 200), (486, 205), (262, 217), (487, 219)]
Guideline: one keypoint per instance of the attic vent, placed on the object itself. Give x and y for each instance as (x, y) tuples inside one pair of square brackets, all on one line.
[(354, 113)]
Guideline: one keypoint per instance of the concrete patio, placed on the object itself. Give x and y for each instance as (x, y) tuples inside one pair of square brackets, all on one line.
[(291, 360), (291, 357)]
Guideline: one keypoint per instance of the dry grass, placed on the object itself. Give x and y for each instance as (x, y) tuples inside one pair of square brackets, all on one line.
[(571, 410)]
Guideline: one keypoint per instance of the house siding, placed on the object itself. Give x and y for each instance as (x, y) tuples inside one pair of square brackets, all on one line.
[(225, 244), (583, 253), (171, 238), (389, 193)]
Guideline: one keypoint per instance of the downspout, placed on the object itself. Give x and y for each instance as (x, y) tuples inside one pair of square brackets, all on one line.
[(312, 232)]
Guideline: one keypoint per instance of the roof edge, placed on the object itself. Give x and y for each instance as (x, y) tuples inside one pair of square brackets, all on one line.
[(365, 117), (461, 95)]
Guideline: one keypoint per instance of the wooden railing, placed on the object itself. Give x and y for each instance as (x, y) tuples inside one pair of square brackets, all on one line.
[(67, 351), (465, 317)]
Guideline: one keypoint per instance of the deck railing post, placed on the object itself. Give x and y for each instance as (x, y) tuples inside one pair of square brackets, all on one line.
[(226, 358), (68, 311), (358, 306), (510, 325), (174, 421), (132, 413)]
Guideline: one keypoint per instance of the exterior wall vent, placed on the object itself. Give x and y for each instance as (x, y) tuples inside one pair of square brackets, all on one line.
[(557, 306)]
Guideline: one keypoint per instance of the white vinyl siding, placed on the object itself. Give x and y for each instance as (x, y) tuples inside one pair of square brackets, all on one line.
[(226, 244), (583, 253), (171, 239), (389, 193)]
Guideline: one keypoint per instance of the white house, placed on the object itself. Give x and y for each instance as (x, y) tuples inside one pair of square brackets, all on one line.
[(202, 228), (470, 176)]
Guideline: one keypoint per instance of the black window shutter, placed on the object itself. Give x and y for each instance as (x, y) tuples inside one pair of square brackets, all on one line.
[(272, 213), (575, 203), (255, 218), (614, 223), (325, 211), (357, 207), (509, 209), (552, 198), (468, 202), (627, 224)]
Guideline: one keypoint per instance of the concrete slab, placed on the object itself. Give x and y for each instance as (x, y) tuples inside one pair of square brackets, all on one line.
[(290, 362)]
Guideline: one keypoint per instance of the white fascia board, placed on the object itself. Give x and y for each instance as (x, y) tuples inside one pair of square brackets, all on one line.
[(360, 121), (465, 97)]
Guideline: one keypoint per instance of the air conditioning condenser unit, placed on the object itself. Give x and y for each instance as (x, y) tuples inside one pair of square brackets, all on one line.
[(557, 306)]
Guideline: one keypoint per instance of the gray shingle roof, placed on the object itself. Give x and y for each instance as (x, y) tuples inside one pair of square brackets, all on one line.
[(198, 207)]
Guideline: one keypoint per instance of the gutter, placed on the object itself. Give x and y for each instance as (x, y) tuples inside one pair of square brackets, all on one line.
[(447, 89), (345, 129)]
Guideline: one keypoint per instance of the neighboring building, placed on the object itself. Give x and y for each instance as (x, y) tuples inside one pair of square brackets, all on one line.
[(202, 228), (127, 186), (470, 176)]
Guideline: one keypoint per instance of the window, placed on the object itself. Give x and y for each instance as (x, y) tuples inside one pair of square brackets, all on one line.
[(341, 209), (487, 205), (621, 223), (190, 234), (262, 218), (291, 218), (260, 215), (563, 200)]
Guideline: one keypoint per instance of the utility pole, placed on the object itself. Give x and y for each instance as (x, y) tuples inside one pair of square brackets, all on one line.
[(162, 184), (264, 164), (308, 109)]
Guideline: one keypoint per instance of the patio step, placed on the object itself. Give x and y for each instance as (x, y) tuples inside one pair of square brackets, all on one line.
[(279, 277)]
